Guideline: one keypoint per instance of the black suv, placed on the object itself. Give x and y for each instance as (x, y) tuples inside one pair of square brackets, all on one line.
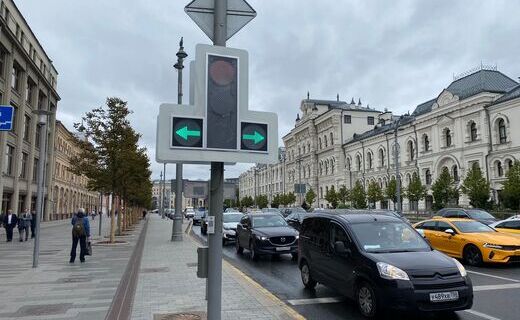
[(380, 262), (475, 214), (266, 234)]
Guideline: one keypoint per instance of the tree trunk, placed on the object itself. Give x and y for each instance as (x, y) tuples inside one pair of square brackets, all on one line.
[(112, 221), (119, 213)]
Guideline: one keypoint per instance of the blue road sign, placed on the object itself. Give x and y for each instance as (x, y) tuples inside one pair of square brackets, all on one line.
[(6, 118)]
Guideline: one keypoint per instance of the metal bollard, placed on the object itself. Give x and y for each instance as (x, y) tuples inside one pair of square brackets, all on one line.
[(202, 262)]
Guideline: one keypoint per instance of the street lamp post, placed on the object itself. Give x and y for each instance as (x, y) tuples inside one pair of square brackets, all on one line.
[(397, 175), (177, 218), (42, 121), (161, 195)]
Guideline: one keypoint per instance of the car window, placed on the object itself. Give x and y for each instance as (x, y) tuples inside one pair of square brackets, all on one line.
[(472, 227), (427, 225), (292, 216), (509, 225), (318, 231), (232, 217), (338, 234), (383, 237), (268, 221), (443, 226), (454, 214), (480, 214)]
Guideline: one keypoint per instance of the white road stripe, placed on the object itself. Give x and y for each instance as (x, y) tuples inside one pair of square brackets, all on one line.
[(299, 302), (492, 276), (482, 315), (497, 287)]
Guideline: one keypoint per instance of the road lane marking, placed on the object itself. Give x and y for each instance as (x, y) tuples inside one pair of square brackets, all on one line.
[(492, 276), (300, 302), (497, 287), (480, 314)]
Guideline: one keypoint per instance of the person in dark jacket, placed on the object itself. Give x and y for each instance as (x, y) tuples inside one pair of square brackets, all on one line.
[(10, 221), (24, 222), (80, 233), (33, 223)]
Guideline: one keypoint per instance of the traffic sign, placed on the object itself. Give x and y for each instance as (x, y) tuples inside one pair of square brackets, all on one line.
[(202, 12), (6, 118), (218, 125)]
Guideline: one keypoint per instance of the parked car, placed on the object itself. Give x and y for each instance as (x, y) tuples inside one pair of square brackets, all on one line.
[(266, 234), (197, 217), (295, 219), (189, 213), (516, 216), (287, 211), (380, 262), (389, 213), (229, 226), (508, 226), (475, 214), (470, 240)]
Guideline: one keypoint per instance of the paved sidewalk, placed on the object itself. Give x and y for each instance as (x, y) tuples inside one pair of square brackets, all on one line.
[(57, 289), (168, 283)]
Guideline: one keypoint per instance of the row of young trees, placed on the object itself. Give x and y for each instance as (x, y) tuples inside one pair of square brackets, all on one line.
[(114, 163)]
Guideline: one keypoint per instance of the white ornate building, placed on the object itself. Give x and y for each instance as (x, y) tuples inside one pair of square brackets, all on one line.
[(467, 124)]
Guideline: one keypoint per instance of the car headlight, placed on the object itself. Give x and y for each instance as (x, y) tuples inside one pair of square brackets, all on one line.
[(388, 271), (461, 268), (297, 237), (262, 238), (493, 246)]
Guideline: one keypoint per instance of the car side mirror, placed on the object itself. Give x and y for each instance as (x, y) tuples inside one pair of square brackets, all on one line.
[(450, 232), (339, 248)]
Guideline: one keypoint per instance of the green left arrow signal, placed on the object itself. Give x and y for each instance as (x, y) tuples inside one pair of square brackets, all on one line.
[(255, 137), (185, 133)]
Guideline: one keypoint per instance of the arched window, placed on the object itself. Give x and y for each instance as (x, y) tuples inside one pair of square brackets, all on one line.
[(473, 131), (455, 173), (348, 164), (369, 159), (500, 170), (309, 147), (502, 131), (411, 150), (319, 141), (321, 169), (475, 165), (408, 179), (426, 143), (428, 177), (321, 192), (325, 141), (358, 160), (332, 167), (447, 136), (331, 139), (509, 164), (326, 167), (381, 158)]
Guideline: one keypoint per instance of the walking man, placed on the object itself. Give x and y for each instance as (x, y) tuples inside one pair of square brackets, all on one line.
[(80, 233), (10, 221), (33, 223), (24, 224)]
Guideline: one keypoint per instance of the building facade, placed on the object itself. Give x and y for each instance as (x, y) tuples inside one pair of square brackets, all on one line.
[(69, 191), (467, 124), (27, 82)]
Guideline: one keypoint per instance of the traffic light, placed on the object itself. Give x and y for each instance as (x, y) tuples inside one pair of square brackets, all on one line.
[(222, 103)]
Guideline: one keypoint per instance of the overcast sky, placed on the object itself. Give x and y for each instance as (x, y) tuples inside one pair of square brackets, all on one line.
[(393, 54)]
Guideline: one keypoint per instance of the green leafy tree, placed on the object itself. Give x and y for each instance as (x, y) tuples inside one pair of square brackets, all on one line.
[(247, 201), (343, 195), (374, 193), (310, 197), (290, 198), (261, 201), (391, 191), (415, 191), (358, 196), (275, 203), (444, 190), (477, 188), (511, 191), (332, 197), (229, 203)]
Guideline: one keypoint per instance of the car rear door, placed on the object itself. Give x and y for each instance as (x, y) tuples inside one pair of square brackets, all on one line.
[(339, 266), (318, 241)]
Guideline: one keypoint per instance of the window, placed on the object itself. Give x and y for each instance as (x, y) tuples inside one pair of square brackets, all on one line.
[(15, 117), (500, 170), (15, 78), (35, 170), (37, 138), (443, 226), (358, 160), (428, 177), (2, 63), (473, 131), (338, 234), (325, 141), (9, 154), (23, 169), (348, 164), (347, 119), (428, 225), (502, 131), (331, 139), (370, 121), (381, 158), (455, 172), (426, 142), (26, 128), (411, 150), (319, 142), (447, 135), (29, 92), (369, 157), (509, 163)]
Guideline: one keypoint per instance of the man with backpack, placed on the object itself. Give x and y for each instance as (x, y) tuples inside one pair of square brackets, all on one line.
[(80, 233), (24, 224)]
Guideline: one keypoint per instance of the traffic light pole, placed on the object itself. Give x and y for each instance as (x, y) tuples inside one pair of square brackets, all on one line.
[(216, 193)]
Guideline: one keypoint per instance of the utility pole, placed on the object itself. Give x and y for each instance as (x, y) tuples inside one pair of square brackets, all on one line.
[(100, 211), (299, 160), (42, 121), (177, 218), (397, 175), (161, 195)]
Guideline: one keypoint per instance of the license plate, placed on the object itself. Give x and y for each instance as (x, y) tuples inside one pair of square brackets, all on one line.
[(444, 296), (283, 248)]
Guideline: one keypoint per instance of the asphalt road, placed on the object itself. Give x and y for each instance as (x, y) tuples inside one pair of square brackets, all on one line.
[(496, 290)]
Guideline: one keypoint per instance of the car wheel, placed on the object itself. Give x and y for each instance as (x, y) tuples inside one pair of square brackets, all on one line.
[(472, 256), (238, 248), (294, 256), (307, 279), (252, 251), (366, 300)]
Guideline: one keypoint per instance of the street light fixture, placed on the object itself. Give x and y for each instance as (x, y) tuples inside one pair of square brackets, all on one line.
[(42, 121)]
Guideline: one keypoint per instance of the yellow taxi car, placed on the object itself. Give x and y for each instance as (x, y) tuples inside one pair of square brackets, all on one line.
[(470, 240)]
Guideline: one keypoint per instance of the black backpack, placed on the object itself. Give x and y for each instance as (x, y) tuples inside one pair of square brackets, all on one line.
[(78, 230)]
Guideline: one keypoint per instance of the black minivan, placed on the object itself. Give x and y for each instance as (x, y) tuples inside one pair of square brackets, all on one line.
[(380, 262)]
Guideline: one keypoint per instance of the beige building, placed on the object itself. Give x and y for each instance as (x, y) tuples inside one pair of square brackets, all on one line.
[(27, 82), (69, 191)]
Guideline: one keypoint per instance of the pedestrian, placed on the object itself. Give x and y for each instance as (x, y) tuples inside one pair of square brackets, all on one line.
[(24, 224), (10, 221), (144, 214), (33, 224), (93, 215), (80, 233)]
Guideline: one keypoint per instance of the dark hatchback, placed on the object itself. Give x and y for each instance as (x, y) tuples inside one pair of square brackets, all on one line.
[(266, 234), (475, 214), (380, 262)]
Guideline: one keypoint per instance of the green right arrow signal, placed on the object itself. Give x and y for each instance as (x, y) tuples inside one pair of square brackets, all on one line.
[(185, 133), (255, 137)]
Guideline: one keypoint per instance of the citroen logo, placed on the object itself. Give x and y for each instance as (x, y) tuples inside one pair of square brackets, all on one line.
[(282, 239)]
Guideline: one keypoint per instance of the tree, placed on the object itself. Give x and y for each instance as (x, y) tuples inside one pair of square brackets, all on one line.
[(511, 191), (247, 201), (290, 198), (391, 191), (261, 201), (343, 195), (229, 203), (415, 191), (310, 197), (444, 190), (477, 188), (332, 197), (275, 203), (358, 196), (374, 193)]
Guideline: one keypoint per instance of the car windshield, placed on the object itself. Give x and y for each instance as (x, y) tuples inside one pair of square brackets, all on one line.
[(472, 227), (383, 237), (232, 217), (268, 221), (274, 210), (479, 214)]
